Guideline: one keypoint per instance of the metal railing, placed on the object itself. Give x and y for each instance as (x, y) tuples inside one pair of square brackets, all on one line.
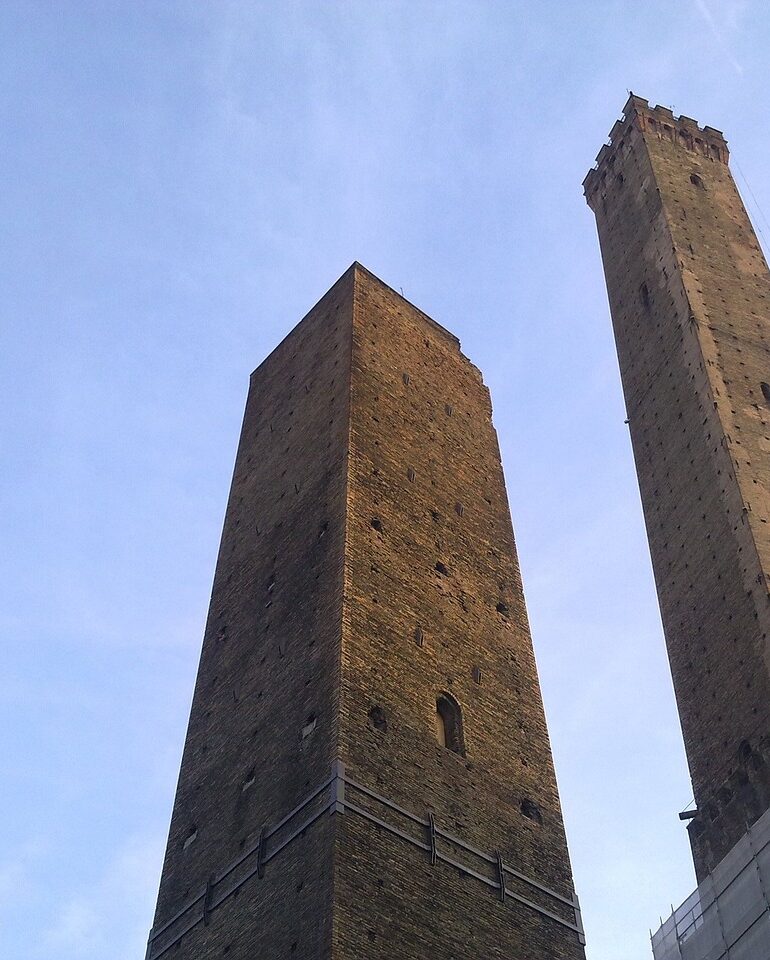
[(338, 795)]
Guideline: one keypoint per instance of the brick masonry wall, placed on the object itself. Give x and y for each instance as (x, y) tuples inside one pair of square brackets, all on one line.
[(367, 457), (426, 487), (689, 292)]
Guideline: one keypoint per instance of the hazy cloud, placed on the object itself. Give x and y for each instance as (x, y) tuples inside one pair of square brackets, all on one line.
[(729, 14)]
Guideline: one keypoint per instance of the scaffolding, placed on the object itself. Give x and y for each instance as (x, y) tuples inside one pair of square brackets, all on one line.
[(728, 916)]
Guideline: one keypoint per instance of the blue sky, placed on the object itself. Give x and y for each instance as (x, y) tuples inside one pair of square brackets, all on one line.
[(182, 181)]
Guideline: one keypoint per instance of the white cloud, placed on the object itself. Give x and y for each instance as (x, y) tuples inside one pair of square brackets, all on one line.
[(729, 14), (110, 917), (75, 930), (16, 873)]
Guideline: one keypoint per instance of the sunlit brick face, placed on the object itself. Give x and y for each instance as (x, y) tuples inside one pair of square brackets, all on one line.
[(351, 785), (689, 294)]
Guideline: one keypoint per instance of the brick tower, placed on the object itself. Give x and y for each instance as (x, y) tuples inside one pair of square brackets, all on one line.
[(689, 294), (367, 771)]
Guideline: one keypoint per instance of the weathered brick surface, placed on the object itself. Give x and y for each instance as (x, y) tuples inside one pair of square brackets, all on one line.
[(424, 461), (368, 456), (689, 294)]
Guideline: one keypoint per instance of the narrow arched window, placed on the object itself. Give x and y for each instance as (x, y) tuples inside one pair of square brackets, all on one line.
[(378, 720), (449, 724), (440, 728)]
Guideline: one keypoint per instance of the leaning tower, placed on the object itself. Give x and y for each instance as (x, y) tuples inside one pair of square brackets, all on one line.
[(367, 771), (689, 293)]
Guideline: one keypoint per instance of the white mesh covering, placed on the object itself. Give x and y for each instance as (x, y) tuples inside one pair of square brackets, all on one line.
[(728, 916)]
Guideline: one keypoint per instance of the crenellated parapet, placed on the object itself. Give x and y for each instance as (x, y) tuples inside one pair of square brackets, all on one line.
[(657, 122)]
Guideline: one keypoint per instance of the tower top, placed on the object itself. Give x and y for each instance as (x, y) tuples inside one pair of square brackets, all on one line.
[(654, 121), (359, 269)]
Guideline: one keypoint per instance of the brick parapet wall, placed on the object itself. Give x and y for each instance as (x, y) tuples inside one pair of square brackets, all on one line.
[(658, 122)]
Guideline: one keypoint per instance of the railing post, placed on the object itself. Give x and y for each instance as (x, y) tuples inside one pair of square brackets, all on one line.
[(755, 858), (500, 875), (261, 853), (337, 802), (432, 838), (578, 918), (207, 901)]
